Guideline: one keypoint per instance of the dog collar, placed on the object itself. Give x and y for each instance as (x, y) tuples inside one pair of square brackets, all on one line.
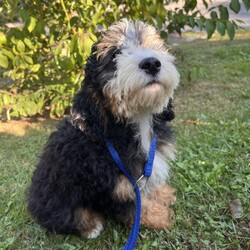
[(146, 173)]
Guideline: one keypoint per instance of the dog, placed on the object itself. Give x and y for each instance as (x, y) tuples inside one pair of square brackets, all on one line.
[(126, 96)]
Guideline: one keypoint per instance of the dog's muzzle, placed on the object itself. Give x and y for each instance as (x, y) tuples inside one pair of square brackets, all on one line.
[(150, 65)]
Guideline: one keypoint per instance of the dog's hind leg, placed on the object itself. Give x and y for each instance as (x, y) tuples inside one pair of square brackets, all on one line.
[(88, 222), (59, 217)]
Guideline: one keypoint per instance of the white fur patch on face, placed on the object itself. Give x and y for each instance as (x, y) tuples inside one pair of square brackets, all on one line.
[(132, 90), (129, 76)]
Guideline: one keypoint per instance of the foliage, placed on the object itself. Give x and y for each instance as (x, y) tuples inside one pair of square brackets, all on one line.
[(43, 55)]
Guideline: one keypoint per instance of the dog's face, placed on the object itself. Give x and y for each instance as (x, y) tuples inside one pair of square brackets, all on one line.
[(136, 69)]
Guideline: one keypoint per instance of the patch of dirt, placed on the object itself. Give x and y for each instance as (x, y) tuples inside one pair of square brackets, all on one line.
[(20, 127)]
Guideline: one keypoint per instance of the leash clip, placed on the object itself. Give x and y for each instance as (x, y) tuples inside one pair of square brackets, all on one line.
[(139, 179)]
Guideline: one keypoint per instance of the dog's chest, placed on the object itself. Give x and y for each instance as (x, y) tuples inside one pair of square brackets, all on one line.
[(160, 169), (159, 175), (135, 156)]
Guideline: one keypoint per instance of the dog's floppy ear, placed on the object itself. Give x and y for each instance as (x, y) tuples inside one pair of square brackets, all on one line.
[(167, 113)]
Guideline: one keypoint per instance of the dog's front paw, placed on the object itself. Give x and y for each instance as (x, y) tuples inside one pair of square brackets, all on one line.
[(164, 195), (94, 232), (88, 222), (156, 215)]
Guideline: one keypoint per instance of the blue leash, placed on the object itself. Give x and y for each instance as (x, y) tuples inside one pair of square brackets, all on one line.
[(147, 172)]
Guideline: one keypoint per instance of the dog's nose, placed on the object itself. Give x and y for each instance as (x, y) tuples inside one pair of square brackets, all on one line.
[(151, 65)]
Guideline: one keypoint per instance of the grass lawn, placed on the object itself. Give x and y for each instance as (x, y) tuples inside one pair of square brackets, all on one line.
[(212, 168)]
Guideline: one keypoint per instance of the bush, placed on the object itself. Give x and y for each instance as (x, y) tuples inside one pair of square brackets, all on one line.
[(42, 56)]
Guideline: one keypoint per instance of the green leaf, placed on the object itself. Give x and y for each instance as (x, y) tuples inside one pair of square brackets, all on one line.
[(14, 113), (66, 64), (220, 27), (235, 6), (23, 64), (230, 30), (28, 43), (13, 40), (87, 43), (28, 59), (17, 61), (205, 3), (93, 37), (159, 22), (73, 43), (191, 21), (214, 15), (74, 20), (1, 105), (153, 9), (89, 3), (164, 35), (58, 50), (40, 27), (31, 108), (223, 12), (59, 109), (200, 23), (35, 67), (24, 15), (3, 39), (31, 24), (15, 52), (55, 100), (22, 111), (210, 28), (190, 5), (161, 11), (20, 46), (8, 54), (4, 63), (6, 99), (247, 4)]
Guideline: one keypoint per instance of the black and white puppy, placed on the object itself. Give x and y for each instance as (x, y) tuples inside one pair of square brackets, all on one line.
[(125, 97)]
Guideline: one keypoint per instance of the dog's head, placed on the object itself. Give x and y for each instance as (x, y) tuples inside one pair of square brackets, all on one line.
[(132, 68)]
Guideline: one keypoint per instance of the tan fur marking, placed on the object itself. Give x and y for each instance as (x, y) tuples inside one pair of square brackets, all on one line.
[(124, 190), (87, 220), (111, 39), (153, 41), (164, 195), (156, 209)]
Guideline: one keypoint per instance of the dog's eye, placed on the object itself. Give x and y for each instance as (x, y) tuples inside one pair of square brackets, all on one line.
[(115, 53)]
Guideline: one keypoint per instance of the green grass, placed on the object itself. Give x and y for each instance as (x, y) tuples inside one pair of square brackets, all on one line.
[(212, 168)]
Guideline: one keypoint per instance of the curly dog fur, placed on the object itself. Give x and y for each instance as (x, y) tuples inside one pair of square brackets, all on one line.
[(126, 97)]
